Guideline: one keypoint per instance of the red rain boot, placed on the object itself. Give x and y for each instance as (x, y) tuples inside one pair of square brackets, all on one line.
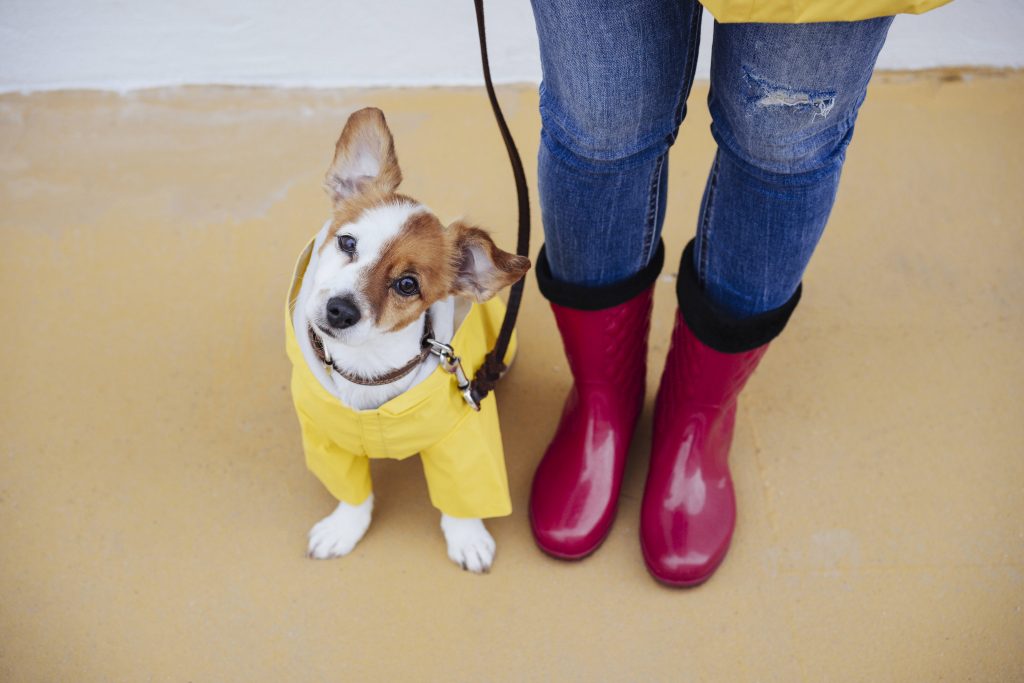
[(576, 487), (689, 509)]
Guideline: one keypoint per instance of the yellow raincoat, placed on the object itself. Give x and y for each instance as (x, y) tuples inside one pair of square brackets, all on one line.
[(461, 449), (804, 11)]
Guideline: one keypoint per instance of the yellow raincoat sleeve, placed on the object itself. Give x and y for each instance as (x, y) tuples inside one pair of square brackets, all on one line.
[(346, 475), (465, 471)]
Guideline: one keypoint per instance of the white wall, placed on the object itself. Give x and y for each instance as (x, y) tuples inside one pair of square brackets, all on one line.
[(125, 44)]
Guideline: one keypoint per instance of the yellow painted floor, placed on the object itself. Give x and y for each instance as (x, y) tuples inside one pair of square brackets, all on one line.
[(153, 498)]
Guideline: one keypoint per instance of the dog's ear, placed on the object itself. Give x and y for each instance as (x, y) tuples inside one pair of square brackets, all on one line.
[(364, 158), (482, 269)]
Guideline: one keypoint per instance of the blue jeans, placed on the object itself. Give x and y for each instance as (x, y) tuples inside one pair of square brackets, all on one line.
[(783, 102)]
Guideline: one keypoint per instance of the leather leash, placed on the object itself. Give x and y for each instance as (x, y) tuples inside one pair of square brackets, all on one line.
[(494, 366)]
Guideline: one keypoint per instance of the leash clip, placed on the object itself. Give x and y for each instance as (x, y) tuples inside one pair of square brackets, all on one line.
[(452, 364)]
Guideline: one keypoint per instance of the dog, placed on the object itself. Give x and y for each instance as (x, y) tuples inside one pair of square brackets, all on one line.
[(382, 283)]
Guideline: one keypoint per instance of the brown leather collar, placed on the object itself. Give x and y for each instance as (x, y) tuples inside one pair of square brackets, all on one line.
[(377, 380)]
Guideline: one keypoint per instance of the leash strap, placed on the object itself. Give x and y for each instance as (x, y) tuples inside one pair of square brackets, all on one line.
[(494, 366)]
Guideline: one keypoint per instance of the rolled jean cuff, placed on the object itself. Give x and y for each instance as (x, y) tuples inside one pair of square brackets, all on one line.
[(597, 298), (718, 330)]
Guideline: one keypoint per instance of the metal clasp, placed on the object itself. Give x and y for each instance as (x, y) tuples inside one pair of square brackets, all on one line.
[(452, 364)]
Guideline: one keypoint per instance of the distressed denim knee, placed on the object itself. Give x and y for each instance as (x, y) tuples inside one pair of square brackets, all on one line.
[(771, 190), (783, 101), (789, 110)]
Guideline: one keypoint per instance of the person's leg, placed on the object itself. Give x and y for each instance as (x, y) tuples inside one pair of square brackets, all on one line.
[(616, 79), (783, 101)]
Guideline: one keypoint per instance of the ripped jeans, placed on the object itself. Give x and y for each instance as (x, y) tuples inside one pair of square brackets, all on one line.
[(783, 102)]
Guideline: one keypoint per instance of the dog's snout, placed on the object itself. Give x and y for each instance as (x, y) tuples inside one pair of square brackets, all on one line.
[(342, 312)]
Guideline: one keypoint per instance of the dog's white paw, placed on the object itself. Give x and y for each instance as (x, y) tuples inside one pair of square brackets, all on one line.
[(337, 534), (469, 544)]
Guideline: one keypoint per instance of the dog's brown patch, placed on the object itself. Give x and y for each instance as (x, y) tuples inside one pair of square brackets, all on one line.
[(420, 249)]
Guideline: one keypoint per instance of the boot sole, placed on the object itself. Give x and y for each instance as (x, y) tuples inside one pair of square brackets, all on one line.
[(693, 583), (575, 557)]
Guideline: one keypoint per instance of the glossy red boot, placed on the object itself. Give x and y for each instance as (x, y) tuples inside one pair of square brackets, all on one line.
[(576, 487), (689, 510)]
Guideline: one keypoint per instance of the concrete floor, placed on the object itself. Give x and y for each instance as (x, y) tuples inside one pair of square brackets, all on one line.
[(153, 498)]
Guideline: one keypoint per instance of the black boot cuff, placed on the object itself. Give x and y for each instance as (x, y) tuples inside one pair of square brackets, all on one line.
[(597, 298), (720, 331)]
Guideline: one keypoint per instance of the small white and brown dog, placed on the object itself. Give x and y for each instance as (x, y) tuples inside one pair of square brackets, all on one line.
[(381, 270)]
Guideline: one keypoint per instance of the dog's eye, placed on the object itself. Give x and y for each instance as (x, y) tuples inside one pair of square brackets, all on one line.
[(347, 243), (407, 285)]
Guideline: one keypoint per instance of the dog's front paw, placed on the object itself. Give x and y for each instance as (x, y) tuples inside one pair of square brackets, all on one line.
[(469, 544), (337, 534)]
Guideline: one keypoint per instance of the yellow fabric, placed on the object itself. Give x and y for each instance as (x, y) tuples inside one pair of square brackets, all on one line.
[(805, 11), (461, 449)]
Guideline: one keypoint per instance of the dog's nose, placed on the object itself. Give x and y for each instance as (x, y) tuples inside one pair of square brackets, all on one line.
[(342, 312)]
